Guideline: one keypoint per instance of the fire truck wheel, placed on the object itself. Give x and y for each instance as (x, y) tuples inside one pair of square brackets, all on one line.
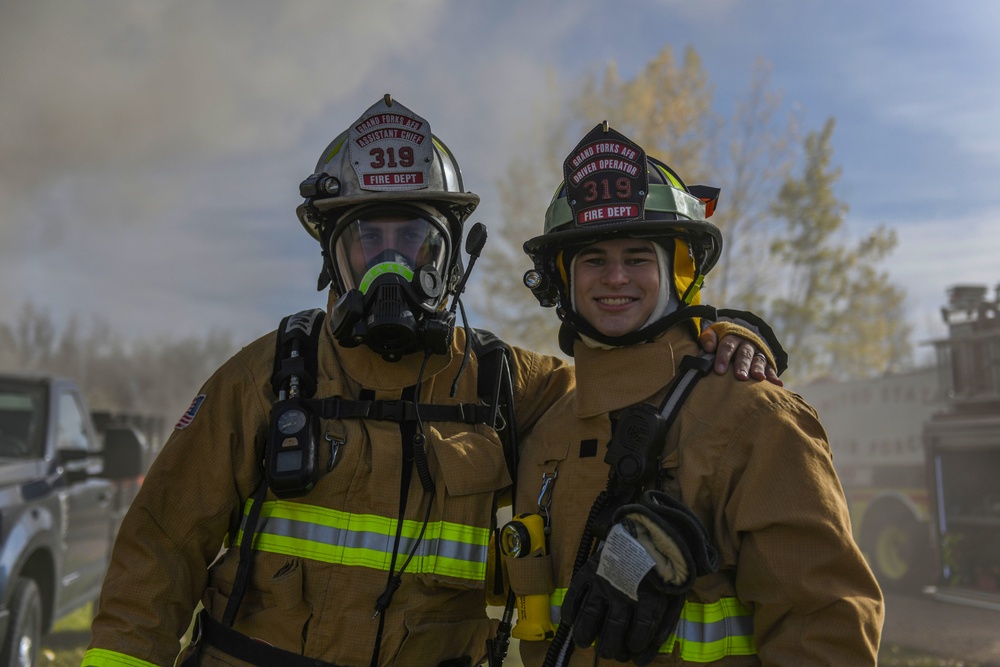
[(897, 547)]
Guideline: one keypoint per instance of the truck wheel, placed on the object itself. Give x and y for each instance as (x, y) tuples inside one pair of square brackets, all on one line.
[(22, 643), (898, 549)]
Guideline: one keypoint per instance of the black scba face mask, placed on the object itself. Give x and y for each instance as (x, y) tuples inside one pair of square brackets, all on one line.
[(389, 311)]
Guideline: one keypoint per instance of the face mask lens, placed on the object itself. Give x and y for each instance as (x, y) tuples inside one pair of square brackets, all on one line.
[(398, 243)]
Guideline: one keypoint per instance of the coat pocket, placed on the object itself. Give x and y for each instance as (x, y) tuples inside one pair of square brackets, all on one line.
[(469, 472), (434, 637), (470, 462), (273, 609)]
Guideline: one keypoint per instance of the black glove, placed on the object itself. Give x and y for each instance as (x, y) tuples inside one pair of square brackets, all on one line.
[(630, 593)]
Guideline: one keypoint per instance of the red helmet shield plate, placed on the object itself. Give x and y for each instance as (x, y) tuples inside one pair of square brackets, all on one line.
[(606, 179), (390, 148)]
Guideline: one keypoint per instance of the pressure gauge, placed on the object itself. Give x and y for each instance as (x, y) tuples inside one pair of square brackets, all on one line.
[(291, 421)]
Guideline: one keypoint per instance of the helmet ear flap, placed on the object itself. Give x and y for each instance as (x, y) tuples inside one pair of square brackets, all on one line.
[(686, 276)]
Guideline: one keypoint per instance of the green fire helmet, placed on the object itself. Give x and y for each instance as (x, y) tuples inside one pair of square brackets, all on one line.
[(612, 189)]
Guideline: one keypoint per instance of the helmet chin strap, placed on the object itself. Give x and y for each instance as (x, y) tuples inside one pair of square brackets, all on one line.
[(574, 326)]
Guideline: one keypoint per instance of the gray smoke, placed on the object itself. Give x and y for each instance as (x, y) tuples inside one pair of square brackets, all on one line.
[(103, 100)]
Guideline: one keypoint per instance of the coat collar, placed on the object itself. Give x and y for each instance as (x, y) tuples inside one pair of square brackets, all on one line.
[(615, 378)]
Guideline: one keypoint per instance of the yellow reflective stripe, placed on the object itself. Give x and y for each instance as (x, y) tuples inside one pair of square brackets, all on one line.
[(99, 657), (555, 602), (366, 540), (710, 632), (706, 631)]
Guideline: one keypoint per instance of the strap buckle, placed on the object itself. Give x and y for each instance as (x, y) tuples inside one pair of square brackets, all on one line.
[(394, 411), (197, 631)]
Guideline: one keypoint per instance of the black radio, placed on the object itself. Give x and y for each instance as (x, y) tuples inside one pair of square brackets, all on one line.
[(636, 443), (290, 466)]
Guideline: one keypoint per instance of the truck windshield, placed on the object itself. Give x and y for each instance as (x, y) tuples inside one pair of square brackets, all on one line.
[(22, 414)]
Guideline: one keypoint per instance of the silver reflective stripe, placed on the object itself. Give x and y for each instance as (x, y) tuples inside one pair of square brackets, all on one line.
[(703, 633), (706, 632), (362, 539), (366, 540)]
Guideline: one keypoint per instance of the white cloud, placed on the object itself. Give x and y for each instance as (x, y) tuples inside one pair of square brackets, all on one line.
[(118, 116)]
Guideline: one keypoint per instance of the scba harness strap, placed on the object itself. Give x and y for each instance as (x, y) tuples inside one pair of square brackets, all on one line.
[(241, 647), (402, 411), (296, 362), (300, 333)]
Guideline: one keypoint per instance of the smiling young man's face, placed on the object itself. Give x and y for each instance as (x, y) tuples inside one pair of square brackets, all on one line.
[(615, 284)]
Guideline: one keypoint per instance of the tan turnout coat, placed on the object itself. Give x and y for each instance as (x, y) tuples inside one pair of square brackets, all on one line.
[(752, 461), (324, 558)]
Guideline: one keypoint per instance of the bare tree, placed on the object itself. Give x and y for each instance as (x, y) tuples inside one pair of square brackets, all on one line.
[(152, 377), (758, 155)]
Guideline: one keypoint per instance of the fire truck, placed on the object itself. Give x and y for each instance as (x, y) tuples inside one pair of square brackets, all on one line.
[(963, 450), (875, 429)]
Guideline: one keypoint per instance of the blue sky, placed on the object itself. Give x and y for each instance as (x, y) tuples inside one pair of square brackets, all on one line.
[(150, 152)]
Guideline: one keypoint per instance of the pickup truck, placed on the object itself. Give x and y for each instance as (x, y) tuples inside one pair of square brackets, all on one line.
[(64, 488)]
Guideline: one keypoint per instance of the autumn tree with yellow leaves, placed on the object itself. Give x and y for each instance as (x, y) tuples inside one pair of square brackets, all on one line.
[(668, 109)]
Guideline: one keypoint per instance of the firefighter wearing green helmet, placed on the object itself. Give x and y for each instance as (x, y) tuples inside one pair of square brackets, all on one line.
[(690, 520), (329, 495)]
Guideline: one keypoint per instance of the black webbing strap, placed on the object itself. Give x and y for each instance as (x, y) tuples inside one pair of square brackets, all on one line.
[(239, 646), (299, 333), (496, 389), (246, 556), (692, 369), (401, 411)]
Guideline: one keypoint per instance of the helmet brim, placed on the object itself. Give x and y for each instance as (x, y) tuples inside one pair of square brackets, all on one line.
[(703, 233)]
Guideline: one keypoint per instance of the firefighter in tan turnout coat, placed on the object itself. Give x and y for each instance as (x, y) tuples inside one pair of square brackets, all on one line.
[(736, 548), (334, 574), (352, 489)]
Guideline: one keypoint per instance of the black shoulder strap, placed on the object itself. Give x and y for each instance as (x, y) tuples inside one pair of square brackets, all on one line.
[(296, 350), (495, 387), (620, 491), (692, 369)]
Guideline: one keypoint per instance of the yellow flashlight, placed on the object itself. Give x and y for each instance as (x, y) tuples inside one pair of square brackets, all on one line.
[(521, 536)]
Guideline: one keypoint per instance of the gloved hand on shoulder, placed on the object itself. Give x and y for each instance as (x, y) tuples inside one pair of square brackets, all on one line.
[(630, 593)]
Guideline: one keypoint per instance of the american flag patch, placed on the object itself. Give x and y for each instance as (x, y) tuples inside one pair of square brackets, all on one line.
[(189, 414)]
